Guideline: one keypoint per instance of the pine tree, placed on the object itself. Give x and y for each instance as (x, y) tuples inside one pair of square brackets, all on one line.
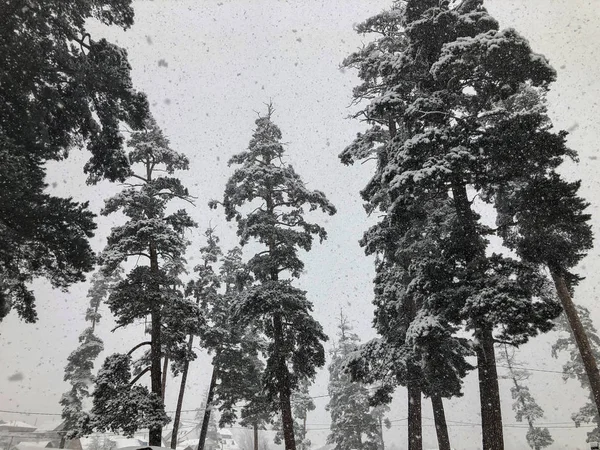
[(240, 368), (444, 86), (154, 234), (60, 89), (575, 368), (354, 425), (525, 406), (204, 290), (277, 198), (78, 371)]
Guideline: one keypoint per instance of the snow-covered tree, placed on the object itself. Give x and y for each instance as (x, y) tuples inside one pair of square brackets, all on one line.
[(240, 368), (524, 406), (204, 290), (78, 371), (354, 424), (445, 89), (61, 89), (574, 367), (154, 234), (267, 198)]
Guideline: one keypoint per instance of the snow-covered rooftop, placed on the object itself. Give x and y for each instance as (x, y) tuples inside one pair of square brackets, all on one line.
[(16, 424)]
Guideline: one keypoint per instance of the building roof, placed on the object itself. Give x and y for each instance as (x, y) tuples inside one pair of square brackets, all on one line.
[(17, 424), (33, 444), (128, 443), (52, 425)]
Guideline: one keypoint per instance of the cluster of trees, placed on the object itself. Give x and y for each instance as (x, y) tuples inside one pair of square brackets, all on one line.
[(457, 124), (458, 128)]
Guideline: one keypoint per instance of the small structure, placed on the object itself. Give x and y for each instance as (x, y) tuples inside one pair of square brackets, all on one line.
[(226, 441), (127, 443)]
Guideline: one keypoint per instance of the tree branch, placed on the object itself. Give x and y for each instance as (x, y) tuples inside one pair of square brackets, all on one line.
[(138, 346), (139, 375)]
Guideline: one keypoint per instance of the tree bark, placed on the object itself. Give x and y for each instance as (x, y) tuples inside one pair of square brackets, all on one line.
[(283, 382), (415, 429), (381, 443), (489, 392), (206, 419), (581, 338), (255, 427), (155, 433), (441, 428), (184, 374), (164, 376)]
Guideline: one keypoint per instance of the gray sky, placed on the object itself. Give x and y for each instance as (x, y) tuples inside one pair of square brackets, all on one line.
[(208, 67)]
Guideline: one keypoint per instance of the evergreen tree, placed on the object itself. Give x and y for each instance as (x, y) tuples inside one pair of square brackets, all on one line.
[(445, 86), (240, 369), (156, 235), (277, 197), (60, 89), (354, 425), (575, 368), (78, 371), (204, 290), (525, 406)]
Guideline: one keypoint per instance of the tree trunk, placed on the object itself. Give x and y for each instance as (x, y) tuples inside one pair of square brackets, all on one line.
[(155, 433), (255, 427), (283, 384), (489, 392), (381, 443), (164, 376), (581, 338), (209, 399), (184, 373), (441, 428), (415, 431)]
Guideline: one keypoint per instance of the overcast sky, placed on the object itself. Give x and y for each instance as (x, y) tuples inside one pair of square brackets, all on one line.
[(208, 67)]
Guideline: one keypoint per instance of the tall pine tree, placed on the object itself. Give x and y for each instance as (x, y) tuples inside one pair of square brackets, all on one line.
[(353, 426), (154, 234), (78, 371), (267, 198)]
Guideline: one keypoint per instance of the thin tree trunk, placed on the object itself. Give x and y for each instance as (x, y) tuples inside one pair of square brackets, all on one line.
[(255, 427), (489, 392), (209, 399), (164, 376), (381, 443), (441, 428), (581, 338), (155, 433), (184, 374), (304, 429), (415, 430), (283, 382)]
